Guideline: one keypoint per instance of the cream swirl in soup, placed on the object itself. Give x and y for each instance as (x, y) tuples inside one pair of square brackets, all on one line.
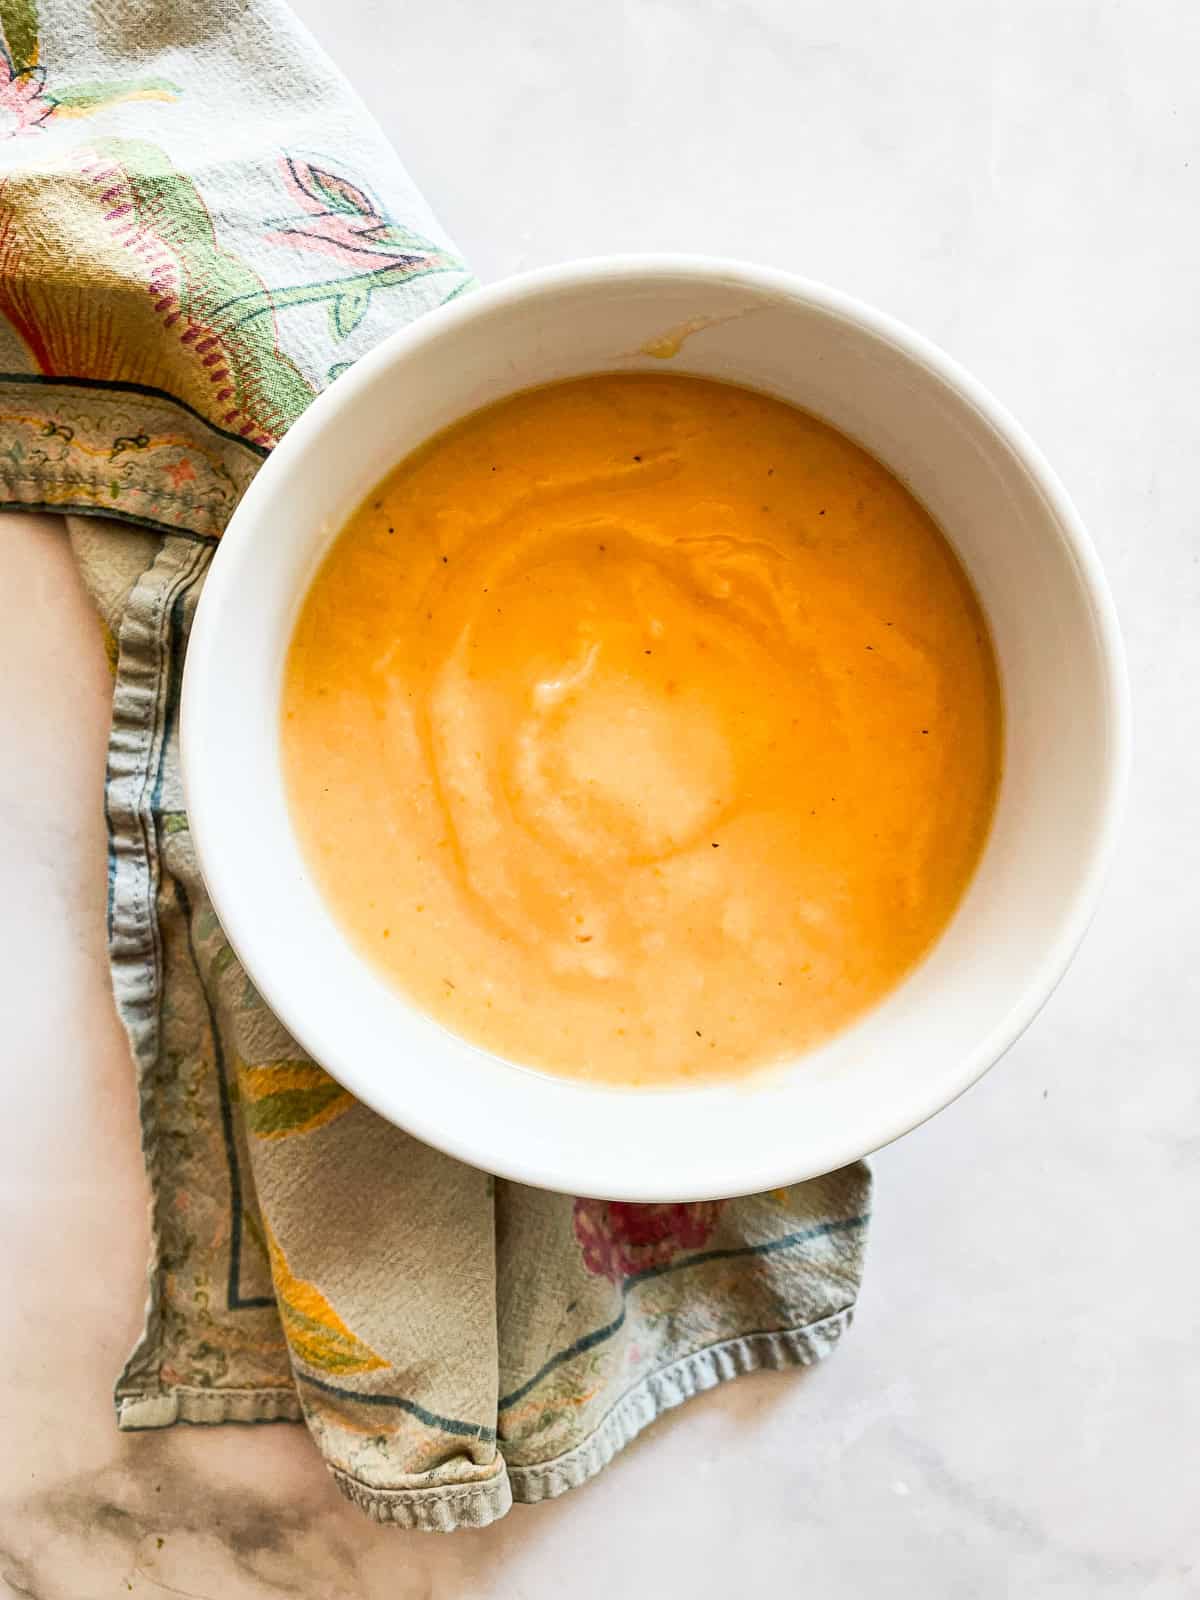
[(642, 728)]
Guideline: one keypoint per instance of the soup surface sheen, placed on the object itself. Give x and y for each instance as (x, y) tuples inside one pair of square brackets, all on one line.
[(642, 728)]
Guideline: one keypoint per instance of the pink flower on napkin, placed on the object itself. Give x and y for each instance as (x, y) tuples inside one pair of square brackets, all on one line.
[(24, 103), (619, 1239), (344, 222)]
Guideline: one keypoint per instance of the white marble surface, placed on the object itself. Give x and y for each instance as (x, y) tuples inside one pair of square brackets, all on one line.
[(1016, 1412)]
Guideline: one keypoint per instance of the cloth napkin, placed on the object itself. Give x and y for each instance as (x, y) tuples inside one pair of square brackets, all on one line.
[(199, 229)]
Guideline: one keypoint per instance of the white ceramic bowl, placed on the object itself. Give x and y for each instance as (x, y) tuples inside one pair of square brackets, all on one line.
[(1065, 759)]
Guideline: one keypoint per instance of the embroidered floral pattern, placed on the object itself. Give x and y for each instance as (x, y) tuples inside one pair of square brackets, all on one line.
[(340, 220), (183, 313), (25, 102), (619, 1239), (283, 1098), (316, 1334)]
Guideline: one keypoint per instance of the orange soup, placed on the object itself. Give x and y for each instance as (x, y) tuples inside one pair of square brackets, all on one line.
[(643, 729)]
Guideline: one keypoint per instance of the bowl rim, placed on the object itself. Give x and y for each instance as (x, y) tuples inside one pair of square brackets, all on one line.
[(219, 871)]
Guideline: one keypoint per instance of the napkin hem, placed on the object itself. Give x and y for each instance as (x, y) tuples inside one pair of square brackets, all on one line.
[(135, 947), (672, 1385), (434, 1508), (136, 1412), (445, 1508)]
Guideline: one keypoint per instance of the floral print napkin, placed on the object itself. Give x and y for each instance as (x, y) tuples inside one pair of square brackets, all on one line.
[(199, 229)]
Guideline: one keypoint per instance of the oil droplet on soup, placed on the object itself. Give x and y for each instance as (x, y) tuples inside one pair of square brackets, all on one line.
[(642, 728)]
